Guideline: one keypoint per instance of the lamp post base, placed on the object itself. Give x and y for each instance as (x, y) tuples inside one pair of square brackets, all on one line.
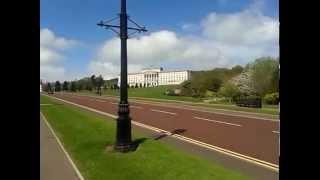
[(125, 147), (123, 141)]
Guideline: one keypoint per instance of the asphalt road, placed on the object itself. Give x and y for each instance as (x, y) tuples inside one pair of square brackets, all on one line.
[(254, 137)]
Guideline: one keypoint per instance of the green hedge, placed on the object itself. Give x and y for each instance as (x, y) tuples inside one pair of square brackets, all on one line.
[(272, 98)]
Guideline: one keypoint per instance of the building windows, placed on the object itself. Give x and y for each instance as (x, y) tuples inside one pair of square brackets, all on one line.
[(155, 77)]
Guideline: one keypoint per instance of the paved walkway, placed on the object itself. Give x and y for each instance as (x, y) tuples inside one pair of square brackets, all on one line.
[(54, 164)]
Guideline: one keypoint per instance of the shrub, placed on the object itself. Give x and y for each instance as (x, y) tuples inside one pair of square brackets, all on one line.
[(172, 92), (272, 98), (249, 101), (230, 91)]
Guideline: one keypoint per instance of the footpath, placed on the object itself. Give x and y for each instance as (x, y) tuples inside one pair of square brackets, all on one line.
[(54, 164)]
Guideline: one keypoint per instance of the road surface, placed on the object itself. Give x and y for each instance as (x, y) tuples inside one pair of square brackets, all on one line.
[(253, 137)]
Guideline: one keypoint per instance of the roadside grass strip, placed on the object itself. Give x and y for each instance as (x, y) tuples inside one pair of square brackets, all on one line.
[(85, 136)]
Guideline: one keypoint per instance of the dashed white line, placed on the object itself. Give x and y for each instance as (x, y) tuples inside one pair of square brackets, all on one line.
[(137, 107), (272, 166), (100, 100), (187, 107), (217, 121), (166, 112), (113, 103), (277, 132)]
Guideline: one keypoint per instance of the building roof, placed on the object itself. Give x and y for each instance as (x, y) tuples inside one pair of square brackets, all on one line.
[(159, 72)]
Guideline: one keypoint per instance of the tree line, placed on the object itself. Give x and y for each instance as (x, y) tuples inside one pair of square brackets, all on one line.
[(259, 79), (92, 83)]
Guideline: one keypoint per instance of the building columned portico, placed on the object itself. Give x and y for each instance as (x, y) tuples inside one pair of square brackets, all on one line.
[(156, 77)]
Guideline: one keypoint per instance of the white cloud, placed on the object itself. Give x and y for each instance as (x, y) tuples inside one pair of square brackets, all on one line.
[(243, 28), (51, 54), (49, 39), (52, 73), (225, 40)]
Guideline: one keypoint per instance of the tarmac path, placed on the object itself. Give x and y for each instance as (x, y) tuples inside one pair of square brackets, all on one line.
[(54, 164)]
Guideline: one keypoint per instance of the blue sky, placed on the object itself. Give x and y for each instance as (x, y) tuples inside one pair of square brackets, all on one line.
[(177, 21)]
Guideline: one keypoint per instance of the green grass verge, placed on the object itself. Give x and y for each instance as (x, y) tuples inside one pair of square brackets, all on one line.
[(157, 94), (152, 92), (85, 136)]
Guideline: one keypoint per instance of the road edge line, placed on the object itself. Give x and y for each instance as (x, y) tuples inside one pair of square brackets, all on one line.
[(252, 160)]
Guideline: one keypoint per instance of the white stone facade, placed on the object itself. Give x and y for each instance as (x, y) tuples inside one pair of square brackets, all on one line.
[(156, 77)]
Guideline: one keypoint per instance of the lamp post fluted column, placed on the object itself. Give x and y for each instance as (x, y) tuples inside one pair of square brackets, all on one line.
[(123, 134)]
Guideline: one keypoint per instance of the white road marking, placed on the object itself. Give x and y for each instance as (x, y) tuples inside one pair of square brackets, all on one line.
[(217, 121), (137, 107), (277, 132), (166, 112), (61, 146), (187, 107), (100, 100), (252, 160), (130, 106)]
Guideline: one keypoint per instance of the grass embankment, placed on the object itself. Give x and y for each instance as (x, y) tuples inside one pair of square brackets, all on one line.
[(85, 136), (157, 94), (152, 92)]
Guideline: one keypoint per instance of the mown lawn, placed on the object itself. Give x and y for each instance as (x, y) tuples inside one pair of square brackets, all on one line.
[(152, 92), (85, 136)]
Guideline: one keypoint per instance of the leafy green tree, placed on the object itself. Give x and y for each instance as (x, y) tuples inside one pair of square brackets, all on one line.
[(230, 91), (49, 87), (80, 86), (57, 86), (73, 86), (186, 88), (99, 83), (65, 86), (213, 84), (93, 81), (265, 73), (272, 98)]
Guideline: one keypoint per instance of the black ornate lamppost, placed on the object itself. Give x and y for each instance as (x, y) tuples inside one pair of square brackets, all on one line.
[(123, 137)]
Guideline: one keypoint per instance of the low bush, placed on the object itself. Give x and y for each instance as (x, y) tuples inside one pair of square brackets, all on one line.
[(249, 101), (272, 98), (170, 92)]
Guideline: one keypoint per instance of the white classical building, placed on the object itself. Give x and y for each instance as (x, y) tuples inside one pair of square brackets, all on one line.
[(156, 77)]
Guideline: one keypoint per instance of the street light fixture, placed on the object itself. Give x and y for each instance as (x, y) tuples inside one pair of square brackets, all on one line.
[(123, 136)]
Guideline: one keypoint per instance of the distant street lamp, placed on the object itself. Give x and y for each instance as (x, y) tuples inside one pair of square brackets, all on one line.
[(123, 136)]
